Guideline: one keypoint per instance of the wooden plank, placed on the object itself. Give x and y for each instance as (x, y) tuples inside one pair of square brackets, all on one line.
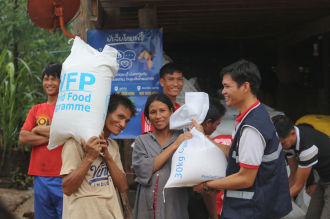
[(208, 18), (125, 151), (112, 18), (308, 30), (84, 22), (240, 3), (77, 23), (97, 14), (127, 210), (222, 5), (223, 22), (147, 18)]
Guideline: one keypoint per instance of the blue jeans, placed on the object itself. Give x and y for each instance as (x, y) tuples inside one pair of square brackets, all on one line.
[(48, 197)]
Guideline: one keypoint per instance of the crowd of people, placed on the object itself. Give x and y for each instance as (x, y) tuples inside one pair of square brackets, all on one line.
[(84, 180)]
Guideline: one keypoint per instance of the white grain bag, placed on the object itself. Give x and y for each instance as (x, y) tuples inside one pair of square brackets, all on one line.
[(83, 99), (196, 160), (196, 107)]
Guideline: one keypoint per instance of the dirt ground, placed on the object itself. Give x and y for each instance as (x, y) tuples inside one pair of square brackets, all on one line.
[(18, 201), (21, 201)]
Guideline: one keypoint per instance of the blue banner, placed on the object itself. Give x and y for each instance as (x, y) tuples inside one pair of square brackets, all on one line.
[(140, 56)]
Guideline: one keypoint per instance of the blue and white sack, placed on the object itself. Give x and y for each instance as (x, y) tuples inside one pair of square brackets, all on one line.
[(83, 99), (196, 160)]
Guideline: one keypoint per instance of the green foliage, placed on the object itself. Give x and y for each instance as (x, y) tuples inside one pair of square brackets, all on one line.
[(24, 52), (34, 43), (18, 91), (21, 180)]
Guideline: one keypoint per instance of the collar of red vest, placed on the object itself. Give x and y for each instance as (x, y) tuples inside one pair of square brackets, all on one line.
[(240, 117)]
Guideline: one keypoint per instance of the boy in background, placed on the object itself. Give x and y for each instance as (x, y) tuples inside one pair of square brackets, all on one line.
[(45, 165), (171, 79)]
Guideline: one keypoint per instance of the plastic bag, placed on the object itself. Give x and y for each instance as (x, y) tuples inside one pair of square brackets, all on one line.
[(84, 95)]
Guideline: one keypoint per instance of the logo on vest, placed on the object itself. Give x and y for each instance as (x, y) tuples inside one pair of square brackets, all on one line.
[(101, 176)]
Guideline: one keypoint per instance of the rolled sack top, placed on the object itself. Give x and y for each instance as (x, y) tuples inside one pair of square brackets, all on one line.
[(195, 107)]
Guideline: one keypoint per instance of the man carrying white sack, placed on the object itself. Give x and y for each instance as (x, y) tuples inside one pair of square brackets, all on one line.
[(256, 184), (93, 170)]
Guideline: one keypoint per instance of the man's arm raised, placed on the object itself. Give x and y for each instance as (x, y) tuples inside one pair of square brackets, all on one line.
[(72, 181), (118, 177)]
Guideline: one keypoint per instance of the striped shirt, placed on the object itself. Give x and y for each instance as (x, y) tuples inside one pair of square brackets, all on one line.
[(312, 149)]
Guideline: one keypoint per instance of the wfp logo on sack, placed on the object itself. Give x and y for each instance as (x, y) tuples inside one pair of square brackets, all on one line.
[(100, 175), (74, 92)]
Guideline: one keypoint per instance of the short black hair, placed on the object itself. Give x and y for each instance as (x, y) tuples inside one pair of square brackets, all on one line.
[(118, 99), (216, 110), (169, 68), (283, 125), (244, 71), (159, 97), (52, 69)]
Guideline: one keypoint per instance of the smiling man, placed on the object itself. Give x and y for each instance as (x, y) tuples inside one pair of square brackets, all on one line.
[(45, 165), (93, 170), (171, 79), (256, 184)]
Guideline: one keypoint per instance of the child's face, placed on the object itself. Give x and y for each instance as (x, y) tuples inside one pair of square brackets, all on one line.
[(51, 85)]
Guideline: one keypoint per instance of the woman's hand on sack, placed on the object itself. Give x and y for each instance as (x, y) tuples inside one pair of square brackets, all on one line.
[(198, 188), (213, 192), (197, 126), (104, 152), (182, 138), (92, 147)]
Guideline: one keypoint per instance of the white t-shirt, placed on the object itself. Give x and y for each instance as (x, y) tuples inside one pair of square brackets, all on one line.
[(97, 196), (251, 147)]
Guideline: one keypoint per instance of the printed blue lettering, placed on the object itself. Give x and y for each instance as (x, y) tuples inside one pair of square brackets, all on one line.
[(84, 82), (70, 79), (79, 107), (62, 81), (184, 145), (178, 175), (179, 169)]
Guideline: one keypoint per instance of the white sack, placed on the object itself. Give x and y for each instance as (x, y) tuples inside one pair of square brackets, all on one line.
[(82, 103), (296, 213), (196, 107), (196, 160), (187, 87), (300, 205)]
